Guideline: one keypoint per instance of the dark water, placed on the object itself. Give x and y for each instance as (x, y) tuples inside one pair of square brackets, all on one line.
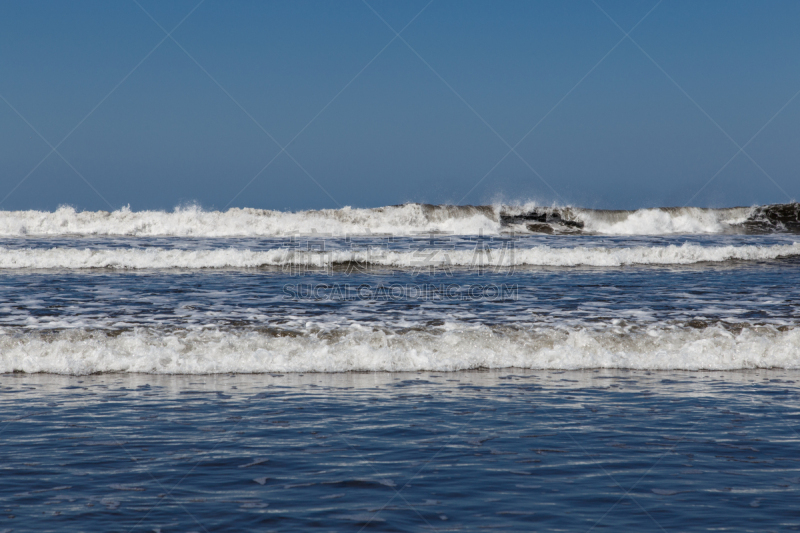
[(462, 451)]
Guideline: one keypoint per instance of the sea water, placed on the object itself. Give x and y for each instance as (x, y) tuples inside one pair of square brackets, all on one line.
[(515, 450), (401, 368)]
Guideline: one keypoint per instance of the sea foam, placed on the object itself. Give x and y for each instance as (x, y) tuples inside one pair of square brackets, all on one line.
[(458, 347), (193, 221), (163, 258), (407, 219)]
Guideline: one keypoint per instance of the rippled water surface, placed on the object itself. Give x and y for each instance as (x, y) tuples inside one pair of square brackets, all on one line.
[(461, 451)]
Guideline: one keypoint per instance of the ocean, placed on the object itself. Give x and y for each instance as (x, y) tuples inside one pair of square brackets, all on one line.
[(401, 368)]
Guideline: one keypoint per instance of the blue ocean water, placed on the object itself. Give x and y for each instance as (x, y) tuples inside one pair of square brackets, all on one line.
[(460, 451), (403, 368)]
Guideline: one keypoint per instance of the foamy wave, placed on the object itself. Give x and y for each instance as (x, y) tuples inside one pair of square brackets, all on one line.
[(688, 220), (406, 219), (195, 222), (153, 258), (360, 349)]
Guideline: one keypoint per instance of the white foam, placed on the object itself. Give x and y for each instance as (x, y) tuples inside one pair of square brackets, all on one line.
[(406, 219), (161, 258), (195, 222), (359, 349), (687, 220)]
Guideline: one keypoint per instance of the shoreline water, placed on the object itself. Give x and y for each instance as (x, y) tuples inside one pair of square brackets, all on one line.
[(402, 451), (146, 427)]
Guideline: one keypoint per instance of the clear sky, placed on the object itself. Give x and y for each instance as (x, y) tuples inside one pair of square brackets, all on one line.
[(367, 118)]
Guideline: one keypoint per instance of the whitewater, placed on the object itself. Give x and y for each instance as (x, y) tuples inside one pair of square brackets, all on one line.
[(407, 219), (362, 349), (426, 288), (154, 258)]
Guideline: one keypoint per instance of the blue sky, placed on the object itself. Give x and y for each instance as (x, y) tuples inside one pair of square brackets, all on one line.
[(367, 118)]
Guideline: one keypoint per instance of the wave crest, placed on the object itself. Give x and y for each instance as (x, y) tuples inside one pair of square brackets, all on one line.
[(159, 258), (407, 219), (360, 349)]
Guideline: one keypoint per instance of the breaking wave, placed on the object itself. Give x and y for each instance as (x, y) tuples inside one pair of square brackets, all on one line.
[(405, 219), (362, 349), (160, 258)]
